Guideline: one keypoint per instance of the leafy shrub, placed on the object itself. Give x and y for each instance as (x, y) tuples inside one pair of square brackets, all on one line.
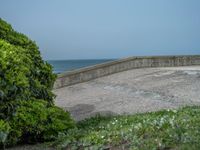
[(35, 121), (14, 83), (59, 121), (23, 73), (40, 77), (25, 79), (4, 131)]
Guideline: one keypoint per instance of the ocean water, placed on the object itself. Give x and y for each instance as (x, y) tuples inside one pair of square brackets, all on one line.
[(60, 66)]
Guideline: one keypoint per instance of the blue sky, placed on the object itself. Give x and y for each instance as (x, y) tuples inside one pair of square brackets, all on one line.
[(90, 29)]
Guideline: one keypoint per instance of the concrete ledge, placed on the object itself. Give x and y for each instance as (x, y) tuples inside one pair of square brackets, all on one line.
[(96, 71)]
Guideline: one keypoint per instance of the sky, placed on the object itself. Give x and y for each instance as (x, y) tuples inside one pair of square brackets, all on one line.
[(96, 29)]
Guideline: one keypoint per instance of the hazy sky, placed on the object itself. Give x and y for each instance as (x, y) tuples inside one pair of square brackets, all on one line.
[(85, 29)]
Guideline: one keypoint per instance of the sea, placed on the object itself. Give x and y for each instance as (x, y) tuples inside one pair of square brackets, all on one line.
[(60, 66)]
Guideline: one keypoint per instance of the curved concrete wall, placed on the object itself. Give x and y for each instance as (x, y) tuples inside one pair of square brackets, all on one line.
[(96, 71)]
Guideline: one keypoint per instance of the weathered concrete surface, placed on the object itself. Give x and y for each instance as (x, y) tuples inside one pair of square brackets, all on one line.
[(100, 70), (133, 91)]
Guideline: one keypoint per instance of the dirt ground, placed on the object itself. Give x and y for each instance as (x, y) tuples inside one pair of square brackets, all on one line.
[(133, 91)]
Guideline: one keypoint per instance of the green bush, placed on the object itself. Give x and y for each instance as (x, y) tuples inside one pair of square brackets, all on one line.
[(23, 73), (35, 121), (27, 112), (4, 131), (40, 77), (59, 121), (14, 81)]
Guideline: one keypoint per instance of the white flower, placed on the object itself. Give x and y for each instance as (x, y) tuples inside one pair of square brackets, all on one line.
[(174, 111)]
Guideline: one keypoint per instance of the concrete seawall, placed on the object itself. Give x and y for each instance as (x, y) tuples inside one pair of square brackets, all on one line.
[(96, 71)]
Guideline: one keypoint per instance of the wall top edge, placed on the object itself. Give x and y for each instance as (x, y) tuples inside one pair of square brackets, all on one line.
[(107, 64)]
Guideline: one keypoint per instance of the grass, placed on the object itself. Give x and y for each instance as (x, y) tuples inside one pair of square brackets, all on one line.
[(167, 129)]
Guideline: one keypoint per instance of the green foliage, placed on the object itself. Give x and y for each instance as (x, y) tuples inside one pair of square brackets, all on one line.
[(40, 76), (167, 129), (4, 131), (23, 73), (14, 72), (35, 121), (59, 121), (27, 112)]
